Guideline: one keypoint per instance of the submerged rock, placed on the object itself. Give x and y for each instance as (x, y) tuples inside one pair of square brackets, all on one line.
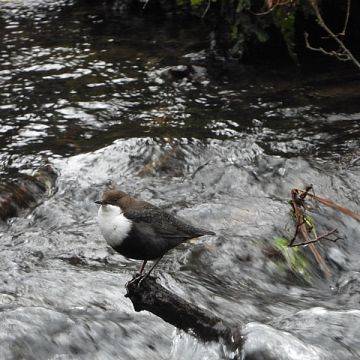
[(263, 342), (312, 334), (337, 331)]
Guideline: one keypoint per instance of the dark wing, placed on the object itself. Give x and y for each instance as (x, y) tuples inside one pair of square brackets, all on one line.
[(153, 221)]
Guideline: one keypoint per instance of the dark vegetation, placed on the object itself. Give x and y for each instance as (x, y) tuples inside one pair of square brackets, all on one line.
[(302, 32)]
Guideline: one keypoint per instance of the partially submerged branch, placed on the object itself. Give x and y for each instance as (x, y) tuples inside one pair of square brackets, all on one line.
[(153, 297)]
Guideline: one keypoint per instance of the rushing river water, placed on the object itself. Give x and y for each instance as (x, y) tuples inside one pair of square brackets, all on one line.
[(86, 91)]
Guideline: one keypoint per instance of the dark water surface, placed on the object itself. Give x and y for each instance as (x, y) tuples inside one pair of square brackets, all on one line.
[(85, 91)]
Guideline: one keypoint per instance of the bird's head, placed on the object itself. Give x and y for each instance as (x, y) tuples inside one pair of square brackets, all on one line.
[(111, 197)]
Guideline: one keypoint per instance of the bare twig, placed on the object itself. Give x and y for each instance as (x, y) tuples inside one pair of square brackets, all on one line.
[(346, 53), (296, 234), (264, 12), (145, 4), (206, 9), (307, 189), (321, 237), (346, 18), (334, 205), (340, 56)]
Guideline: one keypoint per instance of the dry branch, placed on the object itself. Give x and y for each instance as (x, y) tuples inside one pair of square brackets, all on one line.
[(305, 227), (333, 205), (297, 205), (321, 237)]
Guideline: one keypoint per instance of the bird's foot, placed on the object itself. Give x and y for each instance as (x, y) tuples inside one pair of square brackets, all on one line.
[(141, 280), (136, 279)]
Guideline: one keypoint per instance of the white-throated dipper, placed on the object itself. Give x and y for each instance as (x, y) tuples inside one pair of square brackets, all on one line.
[(139, 230)]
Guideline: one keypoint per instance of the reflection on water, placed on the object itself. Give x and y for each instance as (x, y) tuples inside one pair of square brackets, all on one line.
[(92, 95)]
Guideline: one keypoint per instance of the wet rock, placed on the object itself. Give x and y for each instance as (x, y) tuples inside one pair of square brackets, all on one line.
[(25, 191), (169, 162), (337, 331), (263, 342), (192, 73)]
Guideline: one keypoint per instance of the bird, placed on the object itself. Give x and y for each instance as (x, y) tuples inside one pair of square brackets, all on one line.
[(139, 230)]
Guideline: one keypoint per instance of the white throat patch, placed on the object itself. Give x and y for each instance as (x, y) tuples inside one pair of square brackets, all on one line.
[(114, 226)]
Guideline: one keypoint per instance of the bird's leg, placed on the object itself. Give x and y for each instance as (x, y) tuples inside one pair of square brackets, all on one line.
[(143, 277), (139, 278), (153, 267), (142, 266), (139, 274)]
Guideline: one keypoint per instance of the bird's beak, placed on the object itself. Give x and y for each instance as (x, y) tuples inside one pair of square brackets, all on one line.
[(100, 202)]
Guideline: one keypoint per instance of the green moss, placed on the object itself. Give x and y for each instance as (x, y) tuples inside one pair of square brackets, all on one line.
[(294, 258)]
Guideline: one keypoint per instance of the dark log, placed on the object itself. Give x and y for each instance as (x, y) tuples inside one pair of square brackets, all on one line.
[(153, 297)]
